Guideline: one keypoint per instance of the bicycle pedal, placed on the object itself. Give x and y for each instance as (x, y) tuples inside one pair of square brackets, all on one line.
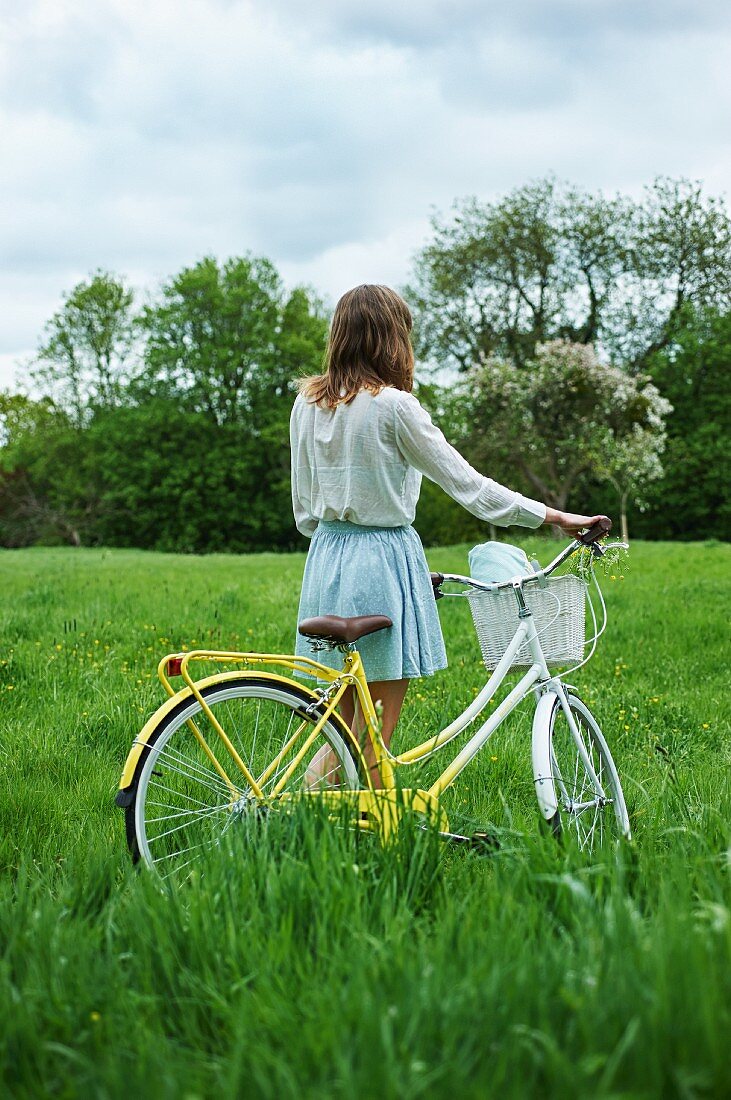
[(485, 841)]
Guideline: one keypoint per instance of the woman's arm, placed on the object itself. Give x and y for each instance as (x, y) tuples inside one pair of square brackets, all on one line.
[(424, 446)]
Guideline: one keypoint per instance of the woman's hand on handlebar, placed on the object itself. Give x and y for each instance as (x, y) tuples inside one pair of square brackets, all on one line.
[(570, 523)]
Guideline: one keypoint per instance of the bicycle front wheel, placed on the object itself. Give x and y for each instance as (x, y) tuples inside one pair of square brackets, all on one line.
[(191, 796), (563, 762)]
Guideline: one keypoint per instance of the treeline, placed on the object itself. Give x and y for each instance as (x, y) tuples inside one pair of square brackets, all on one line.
[(572, 346), (165, 427)]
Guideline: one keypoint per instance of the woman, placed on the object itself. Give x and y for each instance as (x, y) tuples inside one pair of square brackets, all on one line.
[(360, 443)]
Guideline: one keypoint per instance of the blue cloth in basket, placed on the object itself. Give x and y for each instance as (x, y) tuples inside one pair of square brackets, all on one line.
[(497, 561)]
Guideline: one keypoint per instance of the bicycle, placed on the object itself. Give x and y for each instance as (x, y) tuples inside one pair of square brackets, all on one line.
[(236, 746)]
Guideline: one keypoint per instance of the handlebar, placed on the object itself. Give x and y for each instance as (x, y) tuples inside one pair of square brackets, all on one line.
[(601, 528), (589, 538)]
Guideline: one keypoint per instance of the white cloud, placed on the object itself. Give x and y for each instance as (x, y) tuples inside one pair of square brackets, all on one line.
[(137, 137)]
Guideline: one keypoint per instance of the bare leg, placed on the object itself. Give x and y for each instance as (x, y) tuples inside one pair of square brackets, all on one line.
[(322, 771), (391, 695)]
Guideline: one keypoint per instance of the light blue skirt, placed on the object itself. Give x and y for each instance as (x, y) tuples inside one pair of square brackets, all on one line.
[(356, 570)]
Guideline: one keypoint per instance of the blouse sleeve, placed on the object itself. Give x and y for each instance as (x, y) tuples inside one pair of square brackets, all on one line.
[(305, 523), (424, 446)]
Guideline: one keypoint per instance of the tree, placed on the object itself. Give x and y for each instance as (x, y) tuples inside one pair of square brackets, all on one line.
[(225, 343), (47, 475), (223, 337), (191, 452), (499, 278), (87, 343), (692, 372), (20, 416), (549, 261), (634, 460), (172, 479), (567, 416), (680, 264)]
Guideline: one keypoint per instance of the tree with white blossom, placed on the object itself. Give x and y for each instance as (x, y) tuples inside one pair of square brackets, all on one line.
[(568, 416), (635, 461)]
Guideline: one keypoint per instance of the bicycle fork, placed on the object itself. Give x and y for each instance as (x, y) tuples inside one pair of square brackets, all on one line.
[(545, 767)]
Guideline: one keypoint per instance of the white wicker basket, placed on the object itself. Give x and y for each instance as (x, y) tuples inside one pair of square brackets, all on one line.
[(559, 611)]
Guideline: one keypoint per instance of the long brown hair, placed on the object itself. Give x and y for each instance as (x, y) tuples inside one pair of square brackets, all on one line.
[(368, 347)]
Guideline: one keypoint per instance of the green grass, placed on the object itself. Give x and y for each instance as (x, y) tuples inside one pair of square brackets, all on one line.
[(319, 964)]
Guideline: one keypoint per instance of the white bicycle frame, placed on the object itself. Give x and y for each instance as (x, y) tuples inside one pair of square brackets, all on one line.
[(538, 678)]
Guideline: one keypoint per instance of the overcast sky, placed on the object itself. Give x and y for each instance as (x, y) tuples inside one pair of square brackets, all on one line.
[(139, 135)]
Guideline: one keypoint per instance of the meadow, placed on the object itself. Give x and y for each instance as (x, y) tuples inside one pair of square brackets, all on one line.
[(327, 966)]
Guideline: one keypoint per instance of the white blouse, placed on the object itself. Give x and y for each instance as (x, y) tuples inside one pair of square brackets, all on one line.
[(363, 462)]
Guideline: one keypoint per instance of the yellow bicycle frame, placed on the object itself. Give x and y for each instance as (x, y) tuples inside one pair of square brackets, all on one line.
[(379, 808)]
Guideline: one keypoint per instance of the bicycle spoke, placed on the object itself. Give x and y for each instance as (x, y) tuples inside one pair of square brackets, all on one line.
[(588, 835), (177, 793), (186, 824), (238, 726), (188, 770), (181, 813), (298, 779), (182, 851), (256, 729), (577, 761), (194, 768)]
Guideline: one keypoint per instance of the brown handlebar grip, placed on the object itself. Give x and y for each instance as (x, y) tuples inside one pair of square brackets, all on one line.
[(437, 579), (601, 528)]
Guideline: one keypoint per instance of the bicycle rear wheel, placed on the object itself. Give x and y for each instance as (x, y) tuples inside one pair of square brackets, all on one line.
[(564, 784), (191, 797)]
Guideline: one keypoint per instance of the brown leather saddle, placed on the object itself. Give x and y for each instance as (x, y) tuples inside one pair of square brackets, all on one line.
[(340, 631)]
